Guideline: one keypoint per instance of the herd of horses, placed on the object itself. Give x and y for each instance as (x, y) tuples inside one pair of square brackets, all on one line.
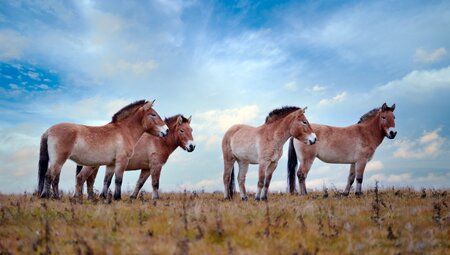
[(138, 139)]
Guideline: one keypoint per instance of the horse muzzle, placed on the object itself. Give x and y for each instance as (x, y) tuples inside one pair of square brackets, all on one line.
[(163, 131), (391, 133), (190, 147), (312, 139)]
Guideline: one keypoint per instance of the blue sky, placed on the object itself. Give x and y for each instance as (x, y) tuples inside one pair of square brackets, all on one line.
[(228, 62)]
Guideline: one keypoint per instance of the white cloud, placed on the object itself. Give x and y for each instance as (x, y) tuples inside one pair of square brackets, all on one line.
[(12, 45), (123, 66), (318, 88), (392, 178), (429, 145), (419, 82), (374, 165), (334, 100), (214, 123), (292, 86), (429, 57)]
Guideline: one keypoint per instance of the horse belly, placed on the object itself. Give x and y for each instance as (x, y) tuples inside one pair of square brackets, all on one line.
[(92, 154), (247, 153), (329, 154)]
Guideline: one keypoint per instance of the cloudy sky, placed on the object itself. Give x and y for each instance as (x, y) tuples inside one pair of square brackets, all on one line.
[(228, 62)]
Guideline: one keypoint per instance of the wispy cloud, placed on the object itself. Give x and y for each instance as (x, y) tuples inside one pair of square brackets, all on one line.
[(429, 145), (334, 100), (429, 57), (12, 45)]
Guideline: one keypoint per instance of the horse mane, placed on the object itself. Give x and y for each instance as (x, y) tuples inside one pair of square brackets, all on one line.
[(172, 120), (127, 110), (369, 115), (280, 113)]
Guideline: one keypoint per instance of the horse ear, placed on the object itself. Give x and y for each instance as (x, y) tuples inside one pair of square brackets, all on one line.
[(148, 105), (179, 120), (304, 109), (189, 119), (384, 107), (393, 107)]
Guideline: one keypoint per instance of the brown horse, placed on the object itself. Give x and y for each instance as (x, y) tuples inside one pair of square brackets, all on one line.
[(111, 144), (262, 145), (353, 145), (150, 155)]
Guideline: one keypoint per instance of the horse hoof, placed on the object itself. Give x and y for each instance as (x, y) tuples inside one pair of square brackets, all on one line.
[(244, 198), (133, 197), (264, 199), (358, 194), (117, 197), (45, 195), (345, 194), (257, 199)]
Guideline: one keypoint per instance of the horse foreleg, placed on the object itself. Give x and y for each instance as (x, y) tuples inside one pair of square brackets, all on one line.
[(156, 173), (107, 181), (118, 172), (261, 177), (145, 173), (360, 166), (302, 173), (350, 180), (267, 179), (243, 168), (90, 182)]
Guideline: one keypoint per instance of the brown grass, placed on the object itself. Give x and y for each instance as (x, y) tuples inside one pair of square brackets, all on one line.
[(400, 221)]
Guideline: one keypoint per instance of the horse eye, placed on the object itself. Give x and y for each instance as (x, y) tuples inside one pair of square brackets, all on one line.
[(305, 122), (383, 117), (181, 130), (153, 114)]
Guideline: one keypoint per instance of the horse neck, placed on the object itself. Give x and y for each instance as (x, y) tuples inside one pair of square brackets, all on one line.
[(133, 125), (281, 129), (171, 141), (373, 130)]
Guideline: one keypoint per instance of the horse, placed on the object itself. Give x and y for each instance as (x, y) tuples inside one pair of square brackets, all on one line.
[(111, 144), (150, 155), (262, 145), (354, 145)]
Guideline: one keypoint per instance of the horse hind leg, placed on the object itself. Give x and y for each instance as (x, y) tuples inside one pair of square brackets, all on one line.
[(261, 178), (107, 181), (302, 173), (145, 173), (90, 183), (243, 169), (350, 180), (227, 182)]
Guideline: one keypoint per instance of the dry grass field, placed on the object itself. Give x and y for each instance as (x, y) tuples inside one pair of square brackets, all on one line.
[(390, 221)]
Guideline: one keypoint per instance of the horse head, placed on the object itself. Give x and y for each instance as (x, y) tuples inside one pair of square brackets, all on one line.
[(152, 122), (301, 129), (183, 133), (387, 121)]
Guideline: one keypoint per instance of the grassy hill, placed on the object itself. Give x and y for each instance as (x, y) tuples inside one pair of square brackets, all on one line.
[(393, 221)]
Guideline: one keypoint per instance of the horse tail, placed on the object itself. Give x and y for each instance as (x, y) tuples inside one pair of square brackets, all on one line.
[(232, 186), (43, 162), (79, 167), (291, 166)]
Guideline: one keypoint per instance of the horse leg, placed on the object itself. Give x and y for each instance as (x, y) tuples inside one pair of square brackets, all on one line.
[(107, 182), (261, 176), (302, 173), (228, 167), (243, 168), (145, 173), (52, 178), (90, 182), (350, 180), (156, 173), (267, 179), (359, 166), (81, 178), (118, 172)]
